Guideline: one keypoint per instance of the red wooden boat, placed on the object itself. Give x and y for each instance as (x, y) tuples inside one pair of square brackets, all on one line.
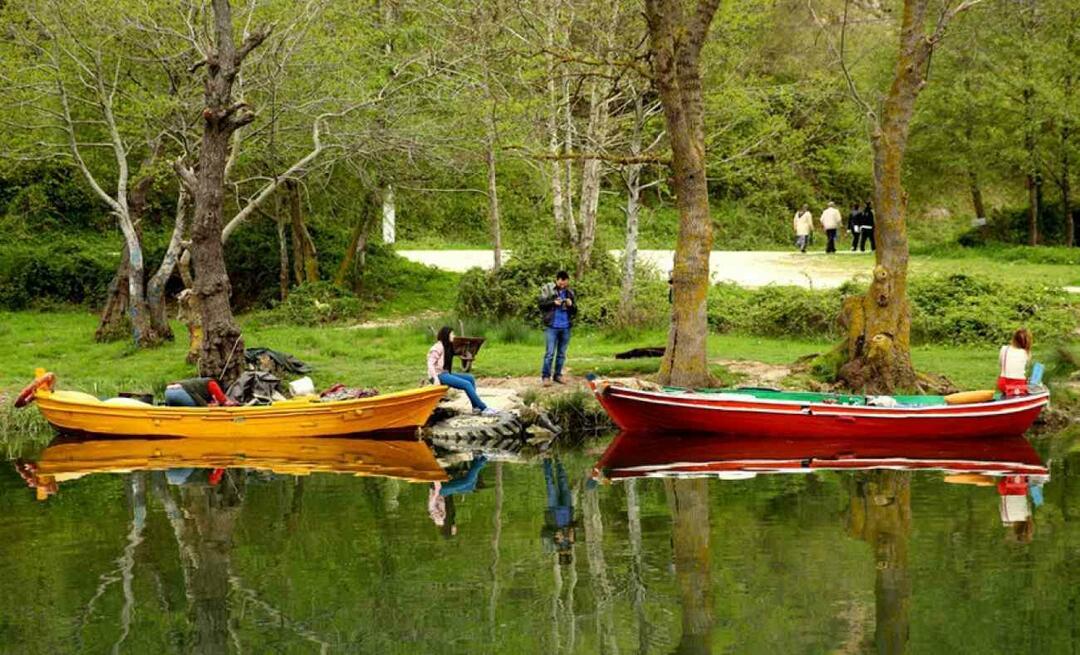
[(773, 414), (641, 454)]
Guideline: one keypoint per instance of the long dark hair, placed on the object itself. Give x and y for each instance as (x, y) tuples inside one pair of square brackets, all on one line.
[(448, 347)]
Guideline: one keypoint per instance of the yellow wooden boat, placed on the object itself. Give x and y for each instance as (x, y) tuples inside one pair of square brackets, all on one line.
[(70, 459), (299, 417)]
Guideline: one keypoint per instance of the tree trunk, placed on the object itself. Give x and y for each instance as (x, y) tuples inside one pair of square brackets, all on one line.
[(113, 324), (305, 258), (155, 289), (976, 194), (222, 353), (880, 515), (1066, 187), (189, 312), (675, 43), (568, 165), (493, 194), (138, 309), (1030, 137), (354, 253), (389, 215), (633, 198), (590, 178), (878, 324), (556, 166), (688, 501), (281, 220)]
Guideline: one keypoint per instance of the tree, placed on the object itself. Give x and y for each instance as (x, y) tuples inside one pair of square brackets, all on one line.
[(222, 352), (877, 350), (99, 94), (675, 41)]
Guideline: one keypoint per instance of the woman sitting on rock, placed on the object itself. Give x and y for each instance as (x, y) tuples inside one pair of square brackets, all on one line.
[(440, 366)]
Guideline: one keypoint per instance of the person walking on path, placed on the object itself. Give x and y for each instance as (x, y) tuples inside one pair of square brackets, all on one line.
[(830, 221), (854, 220), (866, 229), (440, 366), (558, 306), (804, 225)]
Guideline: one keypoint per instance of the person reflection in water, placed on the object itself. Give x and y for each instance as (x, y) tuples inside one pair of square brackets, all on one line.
[(441, 496), (557, 534), (1015, 508)]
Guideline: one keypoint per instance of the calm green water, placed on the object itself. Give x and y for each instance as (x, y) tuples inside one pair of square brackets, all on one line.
[(828, 562)]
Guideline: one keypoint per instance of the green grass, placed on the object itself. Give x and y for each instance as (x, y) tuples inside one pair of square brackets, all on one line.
[(388, 357), (971, 262)]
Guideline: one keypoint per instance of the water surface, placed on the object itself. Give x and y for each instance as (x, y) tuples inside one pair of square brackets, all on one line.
[(819, 561)]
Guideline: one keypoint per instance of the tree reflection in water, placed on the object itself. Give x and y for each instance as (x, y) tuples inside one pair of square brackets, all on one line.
[(880, 515), (688, 501)]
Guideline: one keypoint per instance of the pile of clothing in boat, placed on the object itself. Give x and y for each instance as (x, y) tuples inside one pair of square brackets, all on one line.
[(341, 392)]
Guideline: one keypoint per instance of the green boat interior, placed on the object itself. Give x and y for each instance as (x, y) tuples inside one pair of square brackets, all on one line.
[(759, 393)]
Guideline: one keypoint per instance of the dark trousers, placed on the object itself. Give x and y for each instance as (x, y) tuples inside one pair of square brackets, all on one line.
[(866, 234), (830, 244), (854, 240)]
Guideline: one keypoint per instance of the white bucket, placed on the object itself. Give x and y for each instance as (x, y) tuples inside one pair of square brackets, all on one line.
[(302, 387)]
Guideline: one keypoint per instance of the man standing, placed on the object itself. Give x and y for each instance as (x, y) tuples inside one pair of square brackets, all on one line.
[(854, 221), (558, 308), (830, 220), (804, 224), (866, 229)]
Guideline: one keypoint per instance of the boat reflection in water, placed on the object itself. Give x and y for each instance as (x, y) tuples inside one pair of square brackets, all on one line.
[(68, 458), (202, 484), (879, 511)]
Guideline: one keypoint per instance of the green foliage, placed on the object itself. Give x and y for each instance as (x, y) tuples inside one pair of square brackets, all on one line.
[(965, 309), (947, 309), (43, 274), (774, 311), (1010, 226), (315, 303), (513, 290)]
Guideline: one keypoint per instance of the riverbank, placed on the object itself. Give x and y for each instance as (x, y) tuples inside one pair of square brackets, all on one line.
[(392, 357)]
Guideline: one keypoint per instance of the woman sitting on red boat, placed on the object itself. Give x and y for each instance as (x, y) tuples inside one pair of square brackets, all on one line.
[(1013, 360)]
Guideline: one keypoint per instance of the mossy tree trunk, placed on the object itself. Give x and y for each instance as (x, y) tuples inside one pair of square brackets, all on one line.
[(676, 35), (878, 324)]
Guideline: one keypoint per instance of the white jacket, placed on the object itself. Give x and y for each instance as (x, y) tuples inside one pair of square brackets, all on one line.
[(830, 218), (803, 223)]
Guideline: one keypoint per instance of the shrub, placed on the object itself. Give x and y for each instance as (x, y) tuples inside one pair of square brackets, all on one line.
[(779, 311), (316, 303), (945, 309), (511, 292)]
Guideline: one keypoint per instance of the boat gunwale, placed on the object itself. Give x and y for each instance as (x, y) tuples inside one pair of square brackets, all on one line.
[(1002, 407), (229, 413)]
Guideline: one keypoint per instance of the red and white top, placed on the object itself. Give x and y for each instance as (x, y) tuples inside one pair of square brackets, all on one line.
[(1013, 362)]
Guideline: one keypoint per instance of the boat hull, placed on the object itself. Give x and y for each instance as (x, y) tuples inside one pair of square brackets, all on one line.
[(633, 409), (391, 412)]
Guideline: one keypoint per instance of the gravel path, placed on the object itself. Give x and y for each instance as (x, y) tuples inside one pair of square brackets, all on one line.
[(745, 268)]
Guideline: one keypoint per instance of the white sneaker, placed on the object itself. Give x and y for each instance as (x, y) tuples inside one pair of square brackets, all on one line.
[(489, 411)]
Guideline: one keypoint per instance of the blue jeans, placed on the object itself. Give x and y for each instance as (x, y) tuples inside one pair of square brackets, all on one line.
[(556, 339), (466, 383), (559, 499), (467, 482), (177, 397)]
